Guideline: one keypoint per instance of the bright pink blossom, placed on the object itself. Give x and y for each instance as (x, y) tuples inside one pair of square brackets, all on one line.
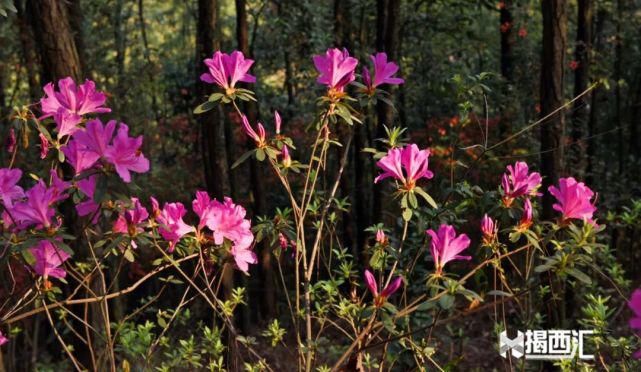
[(336, 68), (380, 299), (488, 228), (277, 121), (526, 219), (59, 187), (36, 209), (9, 189), (81, 100), (635, 323), (260, 137), (227, 221), (287, 159), (574, 199), (66, 122), (380, 237), (49, 260), (172, 226), (96, 137), (518, 182), (125, 154), (79, 157), (3, 339), (383, 72), (413, 161), (44, 146), (88, 207), (225, 70), (131, 220), (446, 246)]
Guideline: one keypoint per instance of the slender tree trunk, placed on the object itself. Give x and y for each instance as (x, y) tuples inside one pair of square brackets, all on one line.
[(618, 56), (28, 50), (387, 22), (555, 20), (595, 100), (256, 174), (121, 50), (506, 29), (581, 109), (76, 23), (212, 130), (54, 37)]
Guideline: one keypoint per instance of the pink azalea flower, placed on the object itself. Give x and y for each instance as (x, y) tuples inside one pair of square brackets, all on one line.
[(155, 207), (282, 241), (59, 187), (225, 70), (49, 258), (125, 154), (380, 299), (380, 236), (277, 121), (88, 207), (96, 137), (36, 210), (573, 200), (79, 157), (3, 339), (446, 246), (81, 100), (518, 182), (66, 122), (287, 159), (44, 146), (526, 219), (488, 228), (383, 72), (172, 226), (259, 137), (227, 221), (336, 68), (410, 159), (9, 189), (129, 222), (635, 323), (202, 206)]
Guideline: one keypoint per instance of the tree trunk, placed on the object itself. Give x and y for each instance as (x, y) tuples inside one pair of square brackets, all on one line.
[(595, 100), (618, 57), (55, 39), (555, 20), (387, 21), (28, 50), (581, 109), (256, 175), (212, 130), (506, 29), (76, 20)]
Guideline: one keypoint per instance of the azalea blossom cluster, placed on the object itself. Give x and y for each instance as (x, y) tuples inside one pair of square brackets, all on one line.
[(336, 69), (574, 200), (219, 222)]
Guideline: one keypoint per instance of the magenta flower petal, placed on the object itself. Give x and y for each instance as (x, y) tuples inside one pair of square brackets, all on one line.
[(392, 287), (96, 137), (49, 258), (446, 246), (574, 199), (336, 68), (79, 100), (371, 283), (125, 154), (9, 189)]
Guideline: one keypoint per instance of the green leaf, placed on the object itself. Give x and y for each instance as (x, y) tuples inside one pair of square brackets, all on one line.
[(129, 255), (205, 107), (446, 301), (242, 158), (427, 197), (407, 214), (579, 275), (260, 154)]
